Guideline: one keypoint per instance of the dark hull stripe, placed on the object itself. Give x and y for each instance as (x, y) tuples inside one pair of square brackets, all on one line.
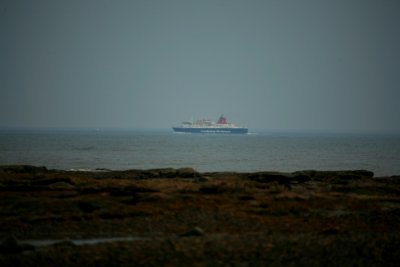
[(211, 130)]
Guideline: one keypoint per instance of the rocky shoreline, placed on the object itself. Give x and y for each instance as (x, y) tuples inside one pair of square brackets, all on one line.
[(180, 217)]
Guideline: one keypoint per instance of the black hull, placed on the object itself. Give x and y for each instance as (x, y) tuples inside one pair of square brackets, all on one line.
[(211, 130)]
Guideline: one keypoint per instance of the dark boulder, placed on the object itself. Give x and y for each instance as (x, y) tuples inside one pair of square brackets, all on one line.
[(11, 245), (337, 176), (22, 169), (166, 173), (87, 207), (269, 177), (187, 173), (196, 231)]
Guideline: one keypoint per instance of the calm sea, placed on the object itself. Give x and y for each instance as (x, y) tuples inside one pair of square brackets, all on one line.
[(120, 150)]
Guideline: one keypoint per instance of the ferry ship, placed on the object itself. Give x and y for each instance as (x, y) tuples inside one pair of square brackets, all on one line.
[(207, 126)]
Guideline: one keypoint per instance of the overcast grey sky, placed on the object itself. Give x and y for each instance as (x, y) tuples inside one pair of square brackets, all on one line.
[(279, 65)]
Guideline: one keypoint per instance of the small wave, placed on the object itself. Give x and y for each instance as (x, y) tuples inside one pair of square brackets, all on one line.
[(87, 148)]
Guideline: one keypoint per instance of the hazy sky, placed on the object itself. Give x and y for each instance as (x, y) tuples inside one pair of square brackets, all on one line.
[(279, 65)]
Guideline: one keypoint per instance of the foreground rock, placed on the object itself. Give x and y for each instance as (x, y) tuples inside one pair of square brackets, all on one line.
[(307, 218), (10, 245), (304, 176), (196, 231)]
